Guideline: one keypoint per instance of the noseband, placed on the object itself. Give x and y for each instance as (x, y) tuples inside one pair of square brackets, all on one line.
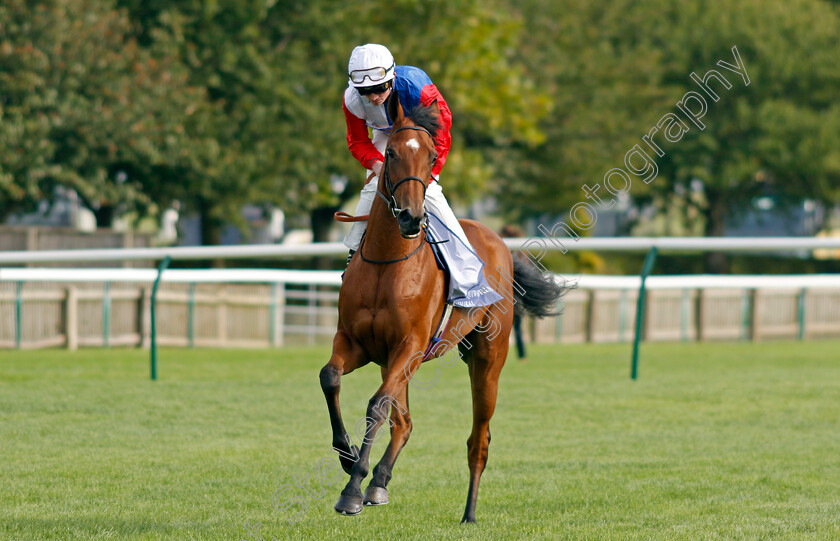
[(390, 200)]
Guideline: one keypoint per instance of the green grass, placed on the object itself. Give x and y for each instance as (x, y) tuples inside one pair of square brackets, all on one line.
[(714, 441)]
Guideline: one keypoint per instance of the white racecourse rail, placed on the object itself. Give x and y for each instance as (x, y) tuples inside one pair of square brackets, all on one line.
[(623, 244), (333, 278), (598, 308)]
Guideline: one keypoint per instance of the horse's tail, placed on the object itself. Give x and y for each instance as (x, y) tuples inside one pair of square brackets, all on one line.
[(541, 291)]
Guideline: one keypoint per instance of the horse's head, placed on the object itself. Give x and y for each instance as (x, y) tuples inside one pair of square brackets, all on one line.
[(408, 163)]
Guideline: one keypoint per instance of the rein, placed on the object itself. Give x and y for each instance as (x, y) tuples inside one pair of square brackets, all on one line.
[(386, 261)]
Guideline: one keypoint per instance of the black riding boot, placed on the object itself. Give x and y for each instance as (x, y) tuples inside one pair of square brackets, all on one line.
[(349, 257)]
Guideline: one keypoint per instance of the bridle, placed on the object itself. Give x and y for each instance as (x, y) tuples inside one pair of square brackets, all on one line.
[(390, 200)]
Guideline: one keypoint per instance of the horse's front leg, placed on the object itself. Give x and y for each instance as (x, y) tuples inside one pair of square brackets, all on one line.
[(399, 371), (377, 491), (346, 357)]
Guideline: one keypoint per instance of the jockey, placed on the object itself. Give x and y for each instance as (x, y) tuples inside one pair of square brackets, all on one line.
[(373, 75)]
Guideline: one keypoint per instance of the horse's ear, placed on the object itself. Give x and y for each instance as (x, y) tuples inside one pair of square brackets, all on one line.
[(435, 109), (395, 110)]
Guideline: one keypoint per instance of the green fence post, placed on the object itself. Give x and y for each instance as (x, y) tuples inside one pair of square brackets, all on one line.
[(164, 264), (18, 314), (640, 311)]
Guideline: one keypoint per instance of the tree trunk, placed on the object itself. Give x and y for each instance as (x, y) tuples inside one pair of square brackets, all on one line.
[(322, 221), (211, 229), (104, 216), (715, 262)]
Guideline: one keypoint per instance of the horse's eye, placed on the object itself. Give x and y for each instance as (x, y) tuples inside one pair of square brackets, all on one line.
[(390, 154), (434, 158)]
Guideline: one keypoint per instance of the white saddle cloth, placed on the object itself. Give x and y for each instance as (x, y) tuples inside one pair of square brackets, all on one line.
[(467, 285)]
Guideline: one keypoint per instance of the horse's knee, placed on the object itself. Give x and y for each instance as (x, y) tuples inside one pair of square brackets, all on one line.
[(330, 378)]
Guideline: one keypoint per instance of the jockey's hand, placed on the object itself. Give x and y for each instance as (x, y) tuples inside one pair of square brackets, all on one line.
[(376, 168)]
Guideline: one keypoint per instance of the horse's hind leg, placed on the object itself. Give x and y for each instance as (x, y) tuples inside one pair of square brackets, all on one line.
[(485, 363), (345, 358), (377, 493)]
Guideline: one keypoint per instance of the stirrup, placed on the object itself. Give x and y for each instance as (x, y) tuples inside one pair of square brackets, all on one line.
[(349, 257)]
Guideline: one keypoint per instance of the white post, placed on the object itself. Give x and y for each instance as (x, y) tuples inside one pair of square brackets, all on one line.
[(71, 318)]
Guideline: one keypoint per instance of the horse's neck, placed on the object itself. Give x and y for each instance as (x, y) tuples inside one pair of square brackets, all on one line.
[(382, 237)]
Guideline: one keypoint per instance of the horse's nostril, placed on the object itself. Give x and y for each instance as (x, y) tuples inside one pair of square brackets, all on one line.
[(405, 217)]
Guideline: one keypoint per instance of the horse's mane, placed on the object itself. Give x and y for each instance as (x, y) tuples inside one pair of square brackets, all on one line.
[(425, 118)]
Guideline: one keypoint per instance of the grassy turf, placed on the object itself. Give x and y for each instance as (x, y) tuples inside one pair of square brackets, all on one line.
[(714, 441)]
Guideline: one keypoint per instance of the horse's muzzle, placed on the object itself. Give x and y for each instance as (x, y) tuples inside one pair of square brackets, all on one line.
[(409, 223)]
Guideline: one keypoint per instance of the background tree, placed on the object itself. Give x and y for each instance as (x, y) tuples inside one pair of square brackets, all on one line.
[(80, 104), (616, 67), (779, 135), (235, 140)]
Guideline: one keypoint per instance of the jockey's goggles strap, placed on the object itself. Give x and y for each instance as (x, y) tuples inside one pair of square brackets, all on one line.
[(372, 74)]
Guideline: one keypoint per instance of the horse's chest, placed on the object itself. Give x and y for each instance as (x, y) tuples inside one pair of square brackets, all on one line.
[(384, 312), (371, 324)]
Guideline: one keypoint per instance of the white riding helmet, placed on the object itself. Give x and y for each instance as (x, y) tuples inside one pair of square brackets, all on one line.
[(370, 65)]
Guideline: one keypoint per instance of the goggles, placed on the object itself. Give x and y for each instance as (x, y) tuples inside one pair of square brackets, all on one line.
[(372, 74), (367, 90)]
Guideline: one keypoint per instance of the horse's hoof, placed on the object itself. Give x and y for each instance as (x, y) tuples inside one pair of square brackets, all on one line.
[(349, 505), (376, 495)]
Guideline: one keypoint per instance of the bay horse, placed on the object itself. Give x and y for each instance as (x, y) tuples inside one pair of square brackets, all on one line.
[(390, 303)]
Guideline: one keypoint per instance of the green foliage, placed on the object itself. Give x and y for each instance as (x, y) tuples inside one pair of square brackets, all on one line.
[(232, 148), (780, 133), (617, 67), (81, 102), (219, 103)]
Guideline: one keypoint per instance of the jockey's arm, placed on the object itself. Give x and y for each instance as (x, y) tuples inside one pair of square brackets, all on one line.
[(443, 141), (358, 140)]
